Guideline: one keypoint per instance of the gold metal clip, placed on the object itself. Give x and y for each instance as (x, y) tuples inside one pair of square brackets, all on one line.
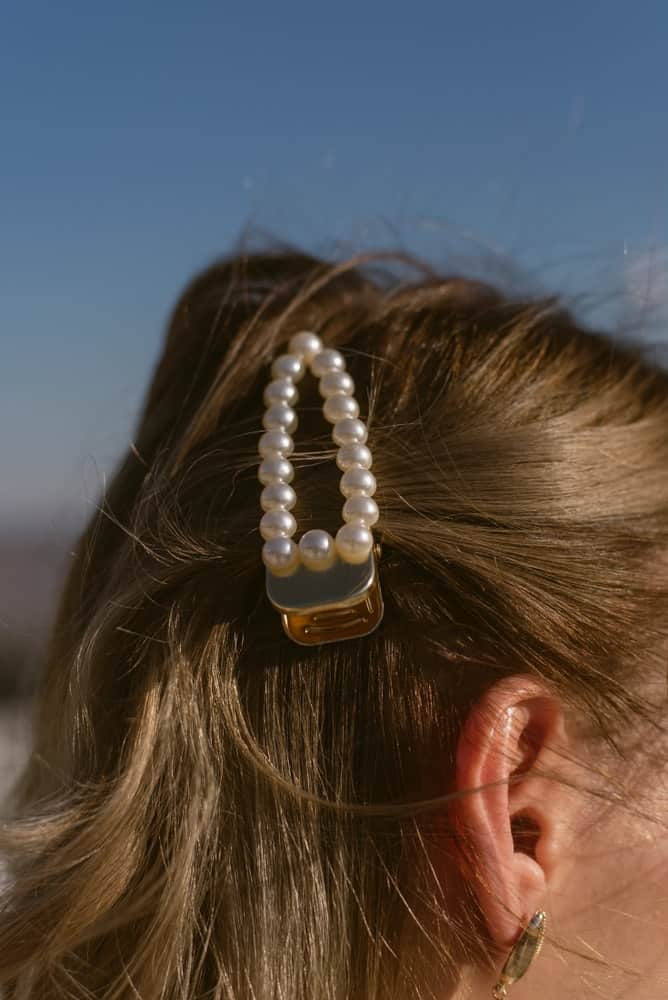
[(318, 606)]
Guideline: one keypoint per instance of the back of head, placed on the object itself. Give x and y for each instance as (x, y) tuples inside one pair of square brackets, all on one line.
[(212, 810)]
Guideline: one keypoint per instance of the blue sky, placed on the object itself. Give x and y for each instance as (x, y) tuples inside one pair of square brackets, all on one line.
[(139, 138)]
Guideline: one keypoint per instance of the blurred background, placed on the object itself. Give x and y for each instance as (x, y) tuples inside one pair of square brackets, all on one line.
[(526, 142)]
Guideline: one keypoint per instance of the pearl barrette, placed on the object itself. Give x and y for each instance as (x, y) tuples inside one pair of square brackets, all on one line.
[(326, 588)]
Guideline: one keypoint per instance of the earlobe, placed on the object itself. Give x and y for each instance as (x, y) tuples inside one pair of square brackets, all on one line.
[(504, 814)]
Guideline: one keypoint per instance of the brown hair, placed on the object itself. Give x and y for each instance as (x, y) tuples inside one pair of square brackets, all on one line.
[(213, 811)]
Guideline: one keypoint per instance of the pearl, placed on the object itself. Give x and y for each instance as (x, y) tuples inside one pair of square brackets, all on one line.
[(338, 407), (280, 555), (280, 417), (358, 482), (305, 345), (281, 390), (288, 366), (275, 470), (316, 549), (349, 431), (276, 523), (275, 443), (350, 455), (278, 496), (354, 543), (327, 360), (360, 510), (334, 382)]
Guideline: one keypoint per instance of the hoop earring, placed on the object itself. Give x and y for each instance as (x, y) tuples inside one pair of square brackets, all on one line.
[(524, 951)]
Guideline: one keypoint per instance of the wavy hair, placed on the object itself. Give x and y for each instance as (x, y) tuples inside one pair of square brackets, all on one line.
[(211, 811)]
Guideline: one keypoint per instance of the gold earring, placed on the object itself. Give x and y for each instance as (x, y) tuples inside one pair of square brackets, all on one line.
[(524, 951)]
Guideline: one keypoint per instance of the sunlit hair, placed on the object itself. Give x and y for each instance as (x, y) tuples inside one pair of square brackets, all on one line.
[(212, 811)]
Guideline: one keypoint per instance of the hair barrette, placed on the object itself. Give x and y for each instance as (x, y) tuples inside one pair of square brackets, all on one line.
[(325, 588)]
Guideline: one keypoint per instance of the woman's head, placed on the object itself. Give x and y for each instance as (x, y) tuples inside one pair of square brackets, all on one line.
[(214, 811)]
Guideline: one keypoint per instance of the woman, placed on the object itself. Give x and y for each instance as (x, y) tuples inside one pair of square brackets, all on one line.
[(214, 809)]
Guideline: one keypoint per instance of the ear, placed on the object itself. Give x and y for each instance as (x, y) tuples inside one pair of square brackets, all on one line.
[(508, 814)]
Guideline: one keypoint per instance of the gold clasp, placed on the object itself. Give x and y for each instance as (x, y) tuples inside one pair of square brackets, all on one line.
[(318, 606)]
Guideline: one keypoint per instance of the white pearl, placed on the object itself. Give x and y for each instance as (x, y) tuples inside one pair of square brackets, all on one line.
[(279, 417), (305, 345), (316, 549), (349, 431), (275, 470), (278, 496), (360, 510), (350, 455), (354, 543), (276, 523), (335, 382), (280, 555), (281, 390), (327, 360), (275, 443), (288, 366), (358, 482), (338, 407)]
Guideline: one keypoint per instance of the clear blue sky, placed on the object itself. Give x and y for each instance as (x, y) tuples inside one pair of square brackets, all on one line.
[(139, 138)]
